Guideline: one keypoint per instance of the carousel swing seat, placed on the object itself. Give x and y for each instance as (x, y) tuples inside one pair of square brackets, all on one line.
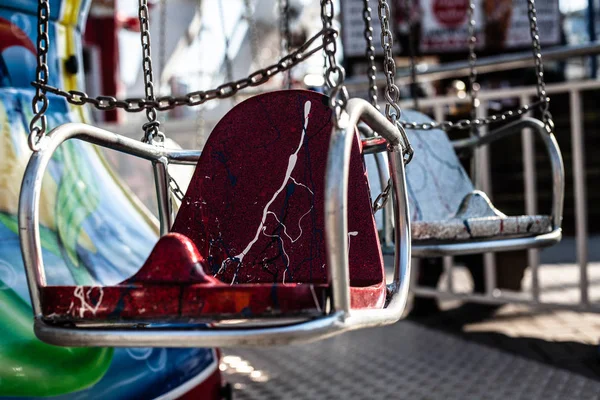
[(274, 242), (450, 217)]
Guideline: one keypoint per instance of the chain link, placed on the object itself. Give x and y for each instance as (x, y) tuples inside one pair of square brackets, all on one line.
[(285, 37), (176, 189), (151, 131), (414, 86), (196, 98), (539, 66), (162, 45), (468, 123), (370, 54), (392, 93), (383, 197), (472, 69), (226, 59), (334, 73), (249, 17), (39, 104)]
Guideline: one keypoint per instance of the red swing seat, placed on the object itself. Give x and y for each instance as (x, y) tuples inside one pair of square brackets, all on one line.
[(248, 241)]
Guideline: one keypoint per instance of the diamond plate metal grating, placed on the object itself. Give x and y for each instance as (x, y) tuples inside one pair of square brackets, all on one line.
[(403, 361)]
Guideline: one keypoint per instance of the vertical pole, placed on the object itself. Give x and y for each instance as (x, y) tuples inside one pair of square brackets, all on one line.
[(483, 181), (448, 260), (163, 194), (528, 144), (577, 143), (591, 16)]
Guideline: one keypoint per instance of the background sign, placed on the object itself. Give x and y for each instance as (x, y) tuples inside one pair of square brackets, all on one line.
[(441, 26), (353, 28)]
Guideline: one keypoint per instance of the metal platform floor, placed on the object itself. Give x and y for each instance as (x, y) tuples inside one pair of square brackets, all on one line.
[(460, 353), (404, 361)]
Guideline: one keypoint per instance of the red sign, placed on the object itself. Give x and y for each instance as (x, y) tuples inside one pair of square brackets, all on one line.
[(451, 13)]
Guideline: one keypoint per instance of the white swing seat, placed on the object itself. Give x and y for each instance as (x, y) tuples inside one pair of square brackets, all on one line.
[(448, 216)]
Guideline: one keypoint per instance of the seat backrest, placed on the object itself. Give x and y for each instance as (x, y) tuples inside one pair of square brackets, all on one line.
[(436, 181), (255, 205)]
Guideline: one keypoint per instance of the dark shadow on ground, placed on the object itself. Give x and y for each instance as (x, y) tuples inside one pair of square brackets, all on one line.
[(579, 358)]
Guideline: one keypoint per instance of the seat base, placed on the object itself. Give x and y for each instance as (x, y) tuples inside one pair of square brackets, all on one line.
[(477, 218), (172, 287)]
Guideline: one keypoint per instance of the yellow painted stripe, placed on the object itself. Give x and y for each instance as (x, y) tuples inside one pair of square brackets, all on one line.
[(71, 12), (67, 46)]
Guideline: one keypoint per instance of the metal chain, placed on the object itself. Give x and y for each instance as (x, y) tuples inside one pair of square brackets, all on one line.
[(151, 132), (539, 66), (472, 70), (196, 98), (162, 45), (392, 93), (285, 37), (249, 16), (227, 60), (334, 73), (39, 105), (370, 54), (467, 123), (175, 189), (383, 197), (411, 55)]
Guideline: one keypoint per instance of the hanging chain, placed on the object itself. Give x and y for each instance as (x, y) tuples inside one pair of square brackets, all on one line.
[(539, 66), (162, 45), (472, 70), (392, 93), (175, 189), (411, 55), (151, 132), (370, 54), (200, 121), (285, 37), (468, 124), (383, 197), (38, 124), (249, 17), (163, 103), (334, 73), (227, 60)]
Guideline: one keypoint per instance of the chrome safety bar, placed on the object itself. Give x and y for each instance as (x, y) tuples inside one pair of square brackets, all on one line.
[(339, 319)]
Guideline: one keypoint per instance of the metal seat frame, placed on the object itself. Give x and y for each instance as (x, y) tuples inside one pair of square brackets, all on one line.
[(337, 319)]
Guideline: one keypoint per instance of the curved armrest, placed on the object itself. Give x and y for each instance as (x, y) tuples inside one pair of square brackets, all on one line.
[(336, 218), (556, 161)]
